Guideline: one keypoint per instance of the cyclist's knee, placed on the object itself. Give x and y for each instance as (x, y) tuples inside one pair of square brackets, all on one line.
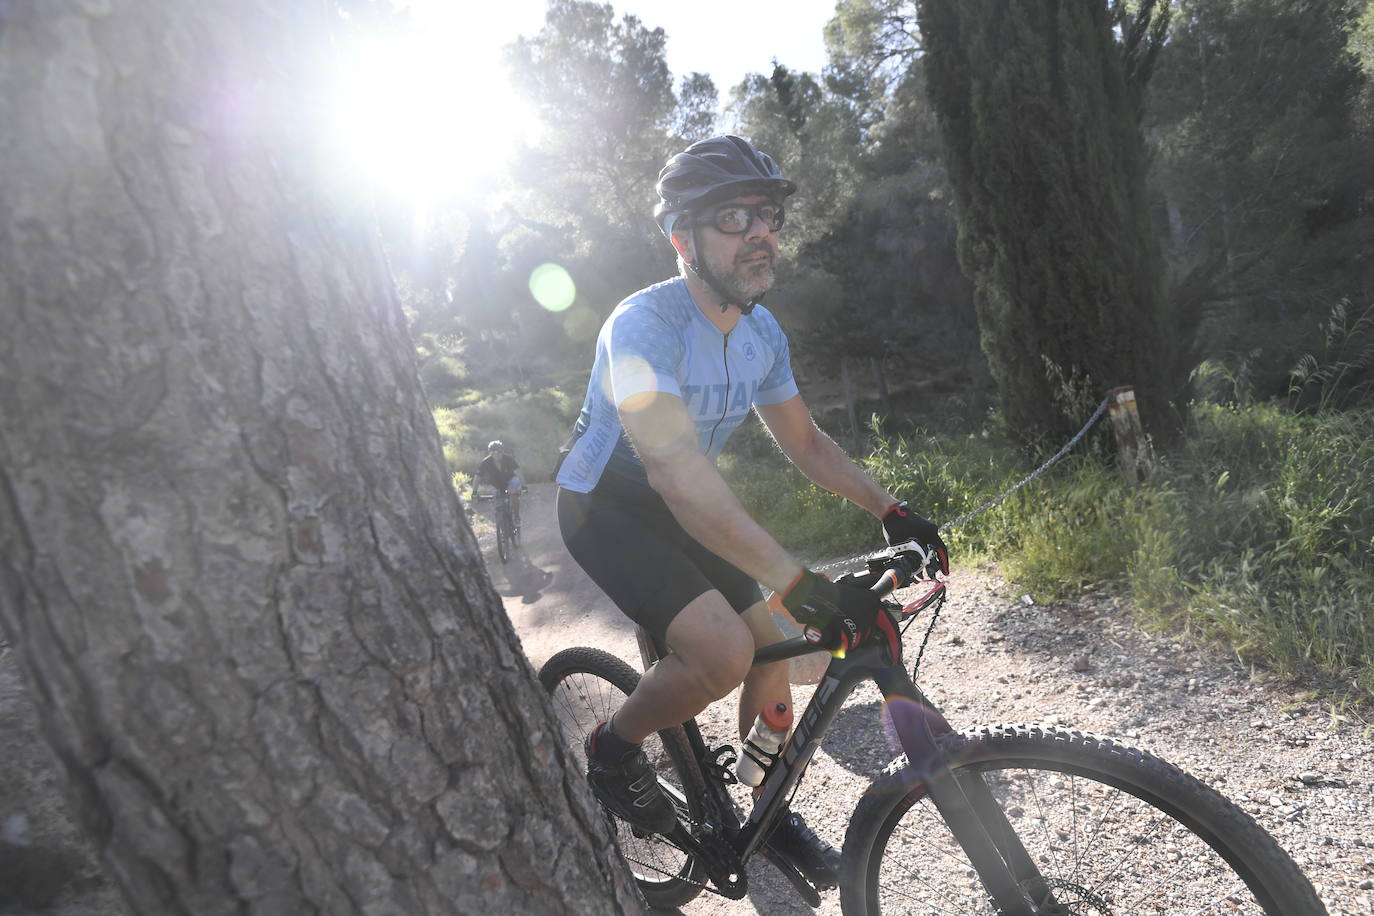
[(717, 676), (712, 644)]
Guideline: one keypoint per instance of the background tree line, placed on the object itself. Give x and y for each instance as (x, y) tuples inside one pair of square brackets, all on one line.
[(1133, 191)]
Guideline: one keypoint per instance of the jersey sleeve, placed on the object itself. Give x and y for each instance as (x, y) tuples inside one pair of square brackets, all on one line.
[(643, 354), (779, 384)]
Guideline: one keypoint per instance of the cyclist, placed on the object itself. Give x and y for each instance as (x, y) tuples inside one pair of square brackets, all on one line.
[(644, 511), (500, 471)]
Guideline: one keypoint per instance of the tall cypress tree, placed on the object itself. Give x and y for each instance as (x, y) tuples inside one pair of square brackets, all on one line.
[(1039, 107)]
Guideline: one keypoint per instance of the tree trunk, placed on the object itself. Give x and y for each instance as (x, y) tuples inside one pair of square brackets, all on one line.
[(257, 629), (847, 386), (1039, 106), (880, 380)]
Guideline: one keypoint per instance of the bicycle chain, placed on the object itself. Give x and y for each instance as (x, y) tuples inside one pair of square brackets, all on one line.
[(692, 826)]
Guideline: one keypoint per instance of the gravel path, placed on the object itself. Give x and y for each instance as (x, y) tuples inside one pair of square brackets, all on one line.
[(1304, 772)]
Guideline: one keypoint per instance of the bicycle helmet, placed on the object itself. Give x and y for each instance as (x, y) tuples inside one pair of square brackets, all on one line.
[(712, 170), (496, 445)]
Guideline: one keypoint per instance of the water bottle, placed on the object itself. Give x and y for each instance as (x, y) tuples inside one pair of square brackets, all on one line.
[(761, 747)]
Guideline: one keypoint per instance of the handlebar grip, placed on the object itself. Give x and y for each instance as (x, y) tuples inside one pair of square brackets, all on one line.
[(894, 577)]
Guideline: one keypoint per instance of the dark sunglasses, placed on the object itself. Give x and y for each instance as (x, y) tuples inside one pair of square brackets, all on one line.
[(736, 219)]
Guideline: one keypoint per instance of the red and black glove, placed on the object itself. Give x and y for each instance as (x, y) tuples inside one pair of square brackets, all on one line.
[(844, 612), (900, 525)]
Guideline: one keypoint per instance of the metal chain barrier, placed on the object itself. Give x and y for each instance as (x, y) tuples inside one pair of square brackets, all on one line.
[(1097, 414)]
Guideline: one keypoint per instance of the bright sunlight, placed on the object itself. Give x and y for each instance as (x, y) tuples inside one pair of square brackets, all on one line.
[(421, 110)]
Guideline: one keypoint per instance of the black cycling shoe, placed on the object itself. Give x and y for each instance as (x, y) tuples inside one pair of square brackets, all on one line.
[(813, 856), (629, 788)]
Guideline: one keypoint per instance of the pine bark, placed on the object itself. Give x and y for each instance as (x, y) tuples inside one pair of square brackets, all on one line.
[(258, 632)]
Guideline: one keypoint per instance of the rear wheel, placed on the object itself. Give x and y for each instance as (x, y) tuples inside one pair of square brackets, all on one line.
[(587, 686), (1112, 830)]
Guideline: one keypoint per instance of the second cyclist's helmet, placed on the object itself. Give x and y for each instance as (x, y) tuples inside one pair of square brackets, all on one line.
[(715, 169)]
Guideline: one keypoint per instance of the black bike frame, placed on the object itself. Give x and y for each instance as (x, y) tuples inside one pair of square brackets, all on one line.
[(964, 802)]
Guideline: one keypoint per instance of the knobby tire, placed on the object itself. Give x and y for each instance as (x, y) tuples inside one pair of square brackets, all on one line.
[(503, 532), (1114, 830)]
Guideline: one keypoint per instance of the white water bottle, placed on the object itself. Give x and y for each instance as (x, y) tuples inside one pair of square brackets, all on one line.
[(765, 739)]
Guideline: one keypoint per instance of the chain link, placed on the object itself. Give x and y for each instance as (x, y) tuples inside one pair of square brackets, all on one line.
[(848, 562)]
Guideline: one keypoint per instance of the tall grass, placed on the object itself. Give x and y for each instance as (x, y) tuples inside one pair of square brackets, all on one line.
[(1257, 532)]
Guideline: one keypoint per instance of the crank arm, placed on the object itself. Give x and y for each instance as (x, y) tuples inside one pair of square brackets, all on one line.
[(718, 857)]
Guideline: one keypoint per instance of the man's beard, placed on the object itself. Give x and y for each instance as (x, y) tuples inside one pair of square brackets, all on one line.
[(745, 282)]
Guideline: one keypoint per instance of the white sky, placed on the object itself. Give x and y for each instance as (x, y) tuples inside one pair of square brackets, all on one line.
[(725, 38), (383, 124)]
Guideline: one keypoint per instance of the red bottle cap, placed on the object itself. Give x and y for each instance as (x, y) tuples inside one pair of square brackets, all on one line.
[(777, 716)]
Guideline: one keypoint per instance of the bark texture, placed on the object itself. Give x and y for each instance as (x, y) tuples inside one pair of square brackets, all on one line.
[(258, 631)]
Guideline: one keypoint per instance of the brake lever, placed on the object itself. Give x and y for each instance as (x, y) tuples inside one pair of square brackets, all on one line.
[(909, 560)]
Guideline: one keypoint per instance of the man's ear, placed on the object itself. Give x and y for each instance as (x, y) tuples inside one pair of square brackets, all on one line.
[(682, 243)]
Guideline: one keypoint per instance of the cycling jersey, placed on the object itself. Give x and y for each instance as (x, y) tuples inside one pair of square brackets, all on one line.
[(498, 471), (658, 340)]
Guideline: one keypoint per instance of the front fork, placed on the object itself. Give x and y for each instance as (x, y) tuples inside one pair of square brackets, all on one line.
[(966, 804)]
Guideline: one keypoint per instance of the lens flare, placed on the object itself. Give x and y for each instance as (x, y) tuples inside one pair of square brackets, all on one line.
[(901, 714), (552, 287), (580, 323)]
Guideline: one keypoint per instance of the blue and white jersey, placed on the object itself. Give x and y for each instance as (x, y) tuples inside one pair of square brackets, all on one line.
[(658, 340)]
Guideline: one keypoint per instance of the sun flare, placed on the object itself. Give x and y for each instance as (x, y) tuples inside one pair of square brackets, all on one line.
[(422, 112)]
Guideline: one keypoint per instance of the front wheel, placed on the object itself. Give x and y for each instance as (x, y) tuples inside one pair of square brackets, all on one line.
[(502, 538), (587, 686), (1113, 831)]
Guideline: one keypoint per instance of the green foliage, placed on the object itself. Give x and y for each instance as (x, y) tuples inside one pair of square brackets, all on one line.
[(1257, 531), (532, 426), (1264, 172), (1343, 373), (812, 134), (611, 116)]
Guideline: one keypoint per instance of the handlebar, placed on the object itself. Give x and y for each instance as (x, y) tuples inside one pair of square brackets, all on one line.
[(897, 567)]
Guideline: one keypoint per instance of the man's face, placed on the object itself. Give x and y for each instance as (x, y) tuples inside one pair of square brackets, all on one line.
[(743, 262)]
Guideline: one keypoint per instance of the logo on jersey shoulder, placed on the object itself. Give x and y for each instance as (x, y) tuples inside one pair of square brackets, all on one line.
[(749, 352)]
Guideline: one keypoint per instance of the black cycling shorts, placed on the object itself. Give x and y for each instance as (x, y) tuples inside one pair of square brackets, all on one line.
[(626, 539)]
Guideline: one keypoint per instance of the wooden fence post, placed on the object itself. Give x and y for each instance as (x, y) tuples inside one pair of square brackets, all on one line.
[(1133, 446)]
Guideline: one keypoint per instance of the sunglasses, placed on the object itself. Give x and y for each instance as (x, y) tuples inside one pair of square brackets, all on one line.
[(737, 219)]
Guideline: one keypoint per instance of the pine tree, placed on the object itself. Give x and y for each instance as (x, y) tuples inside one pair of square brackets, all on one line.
[(1039, 107)]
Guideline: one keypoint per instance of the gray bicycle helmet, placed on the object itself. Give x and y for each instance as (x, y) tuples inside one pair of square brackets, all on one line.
[(711, 170)]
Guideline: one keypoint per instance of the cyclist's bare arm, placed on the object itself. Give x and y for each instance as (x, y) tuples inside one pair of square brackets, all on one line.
[(818, 457), (666, 440)]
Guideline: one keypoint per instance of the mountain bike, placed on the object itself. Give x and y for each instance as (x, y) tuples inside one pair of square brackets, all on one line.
[(507, 527), (1012, 820)]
